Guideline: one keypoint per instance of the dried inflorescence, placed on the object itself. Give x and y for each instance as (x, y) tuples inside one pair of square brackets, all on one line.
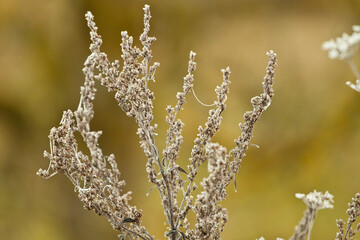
[(314, 202), (210, 216), (344, 48), (96, 177), (354, 212)]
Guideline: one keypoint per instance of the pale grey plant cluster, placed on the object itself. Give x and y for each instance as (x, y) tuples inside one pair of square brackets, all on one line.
[(96, 176), (353, 211), (344, 48), (314, 202)]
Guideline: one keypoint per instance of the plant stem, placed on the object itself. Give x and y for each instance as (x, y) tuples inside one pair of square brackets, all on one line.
[(354, 68)]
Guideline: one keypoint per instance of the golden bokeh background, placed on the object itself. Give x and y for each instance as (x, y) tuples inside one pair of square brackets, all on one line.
[(309, 137)]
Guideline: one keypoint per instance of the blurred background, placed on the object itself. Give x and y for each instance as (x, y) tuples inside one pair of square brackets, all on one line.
[(309, 137)]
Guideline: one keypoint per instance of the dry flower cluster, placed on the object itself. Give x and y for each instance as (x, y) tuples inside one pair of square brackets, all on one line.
[(353, 211), (97, 179), (314, 202), (344, 48)]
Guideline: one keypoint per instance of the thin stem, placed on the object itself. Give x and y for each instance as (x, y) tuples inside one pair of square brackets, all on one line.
[(311, 225), (135, 233), (354, 68), (168, 189), (197, 99), (188, 190), (347, 231), (183, 201)]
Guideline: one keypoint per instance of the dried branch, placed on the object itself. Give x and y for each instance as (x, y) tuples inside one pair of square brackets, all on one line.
[(96, 177), (344, 48), (354, 212), (314, 202)]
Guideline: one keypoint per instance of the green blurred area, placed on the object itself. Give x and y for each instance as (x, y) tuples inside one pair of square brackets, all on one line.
[(309, 137)]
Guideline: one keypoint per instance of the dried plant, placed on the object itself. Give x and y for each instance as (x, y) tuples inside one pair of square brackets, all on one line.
[(344, 48), (354, 212), (96, 177), (314, 202)]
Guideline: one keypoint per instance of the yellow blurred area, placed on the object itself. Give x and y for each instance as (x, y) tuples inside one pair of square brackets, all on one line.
[(309, 137)]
